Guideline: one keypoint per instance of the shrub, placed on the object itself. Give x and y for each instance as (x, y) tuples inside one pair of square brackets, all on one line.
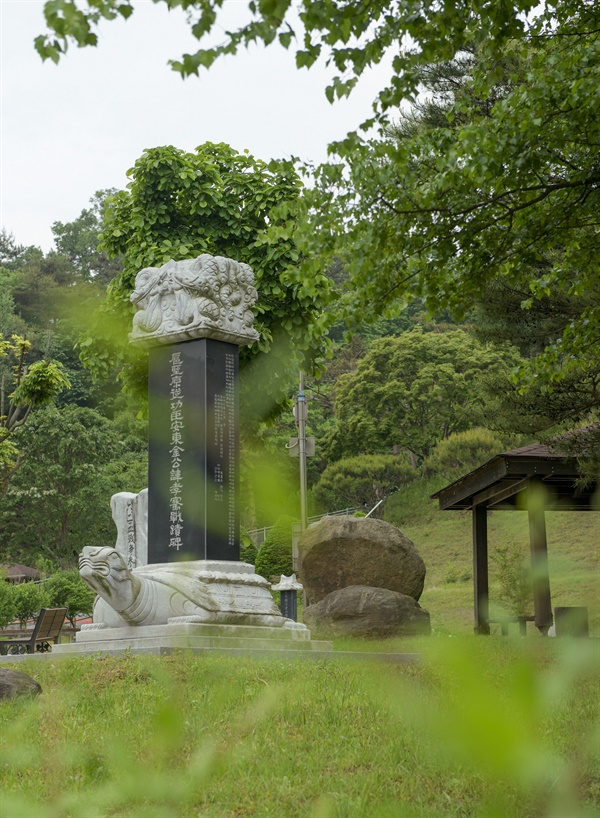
[(275, 554), (8, 608), (29, 598), (514, 576), (362, 481), (248, 552), (454, 574), (462, 452), (67, 590)]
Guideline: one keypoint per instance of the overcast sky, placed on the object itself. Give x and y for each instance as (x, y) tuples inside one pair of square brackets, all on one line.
[(72, 129)]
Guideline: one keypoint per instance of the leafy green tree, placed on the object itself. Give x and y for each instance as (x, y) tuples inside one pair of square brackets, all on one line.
[(22, 389), (350, 38), (29, 597), (412, 391), (66, 589), (497, 207), (10, 322), (498, 180), (362, 481), (59, 498), (78, 241), (505, 178), (8, 607), (214, 200), (541, 409)]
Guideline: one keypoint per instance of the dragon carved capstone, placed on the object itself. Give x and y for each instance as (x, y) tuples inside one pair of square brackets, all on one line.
[(204, 297)]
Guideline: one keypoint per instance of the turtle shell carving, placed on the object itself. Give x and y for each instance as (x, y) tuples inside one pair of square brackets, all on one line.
[(175, 592)]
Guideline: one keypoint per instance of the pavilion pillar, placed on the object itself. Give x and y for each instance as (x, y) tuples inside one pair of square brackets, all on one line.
[(480, 570), (538, 543)]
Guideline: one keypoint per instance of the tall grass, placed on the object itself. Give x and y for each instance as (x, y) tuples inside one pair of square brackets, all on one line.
[(480, 727)]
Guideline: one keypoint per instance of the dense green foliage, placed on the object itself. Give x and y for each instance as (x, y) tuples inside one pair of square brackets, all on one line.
[(275, 554), (67, 441), (497, 159), (214, 200), (58, 500), (78, 242), (352, 42), (66, 589), (29, 597), (62, 589), (361, 481), (413, 391), (8, 608), (21, 389)]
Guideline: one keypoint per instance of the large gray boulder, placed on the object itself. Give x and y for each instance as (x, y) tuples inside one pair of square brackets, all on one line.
[(367, 612), (14, 683), (340, 551)]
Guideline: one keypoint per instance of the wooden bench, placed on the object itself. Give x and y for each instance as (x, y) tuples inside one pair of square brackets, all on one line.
[(47, 626)]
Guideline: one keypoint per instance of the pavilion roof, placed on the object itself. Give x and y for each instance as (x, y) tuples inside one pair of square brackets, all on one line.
[(499, 482)]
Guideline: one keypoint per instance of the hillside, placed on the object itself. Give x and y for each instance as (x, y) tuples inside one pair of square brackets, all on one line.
[(443, 539)]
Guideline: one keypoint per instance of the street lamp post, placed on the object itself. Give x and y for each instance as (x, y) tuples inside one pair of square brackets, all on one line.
[(301, 417)]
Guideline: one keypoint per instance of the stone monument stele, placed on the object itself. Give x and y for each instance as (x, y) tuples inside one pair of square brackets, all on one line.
[(174, 578), (193, 316)]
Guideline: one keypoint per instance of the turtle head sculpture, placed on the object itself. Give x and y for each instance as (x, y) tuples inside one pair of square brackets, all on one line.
[(104, 570)]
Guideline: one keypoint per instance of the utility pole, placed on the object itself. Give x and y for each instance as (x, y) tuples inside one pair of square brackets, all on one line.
[(301, 416)]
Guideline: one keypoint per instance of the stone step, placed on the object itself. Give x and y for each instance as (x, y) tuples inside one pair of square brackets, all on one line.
[(316, 653), (193, 629), (189, 642)]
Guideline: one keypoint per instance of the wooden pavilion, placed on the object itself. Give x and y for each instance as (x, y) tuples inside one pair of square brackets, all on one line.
[(534, 478)]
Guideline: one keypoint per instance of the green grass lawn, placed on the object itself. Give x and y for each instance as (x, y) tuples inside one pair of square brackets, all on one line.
[(479, 727), (486, 727)]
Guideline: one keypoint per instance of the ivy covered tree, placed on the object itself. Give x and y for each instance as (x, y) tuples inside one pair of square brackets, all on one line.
[(214, 200)]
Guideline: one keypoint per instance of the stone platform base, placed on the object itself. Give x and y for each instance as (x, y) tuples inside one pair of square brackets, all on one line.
[(192, 636)]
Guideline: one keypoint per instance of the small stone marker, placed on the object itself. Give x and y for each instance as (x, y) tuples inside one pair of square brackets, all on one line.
[(288, 588), (130, 513), (193, 315)]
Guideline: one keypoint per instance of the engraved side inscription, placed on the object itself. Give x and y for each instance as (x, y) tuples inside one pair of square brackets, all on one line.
[(176, 451)]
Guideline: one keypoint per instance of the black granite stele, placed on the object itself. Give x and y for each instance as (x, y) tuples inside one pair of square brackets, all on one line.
[(193, 466)]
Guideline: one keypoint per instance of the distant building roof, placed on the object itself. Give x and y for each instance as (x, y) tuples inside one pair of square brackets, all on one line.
[(18, 573)]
